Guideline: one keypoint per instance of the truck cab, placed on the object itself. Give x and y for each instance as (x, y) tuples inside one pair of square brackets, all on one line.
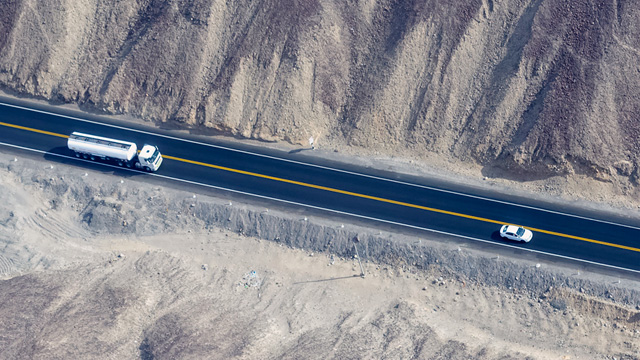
[(150, 158)]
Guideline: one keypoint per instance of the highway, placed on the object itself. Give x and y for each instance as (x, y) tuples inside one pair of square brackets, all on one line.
[(387, 198)]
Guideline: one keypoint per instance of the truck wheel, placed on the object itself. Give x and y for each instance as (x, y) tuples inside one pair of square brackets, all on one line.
[(76, 154), (84, 156), (120, 163), (146, 168), (93, 158), (129, 165)]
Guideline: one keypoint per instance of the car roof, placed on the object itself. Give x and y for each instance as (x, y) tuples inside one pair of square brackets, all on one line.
[(512, 228)]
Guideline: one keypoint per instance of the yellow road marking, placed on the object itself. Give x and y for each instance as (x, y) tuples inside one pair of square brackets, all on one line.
[(344, 192), (389, 201), (34, 130), (583, 239)]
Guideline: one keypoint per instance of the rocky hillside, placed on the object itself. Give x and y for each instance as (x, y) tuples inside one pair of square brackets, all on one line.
[(533, 86)]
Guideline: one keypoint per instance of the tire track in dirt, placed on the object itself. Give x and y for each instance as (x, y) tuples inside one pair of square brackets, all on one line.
[(6, 266)]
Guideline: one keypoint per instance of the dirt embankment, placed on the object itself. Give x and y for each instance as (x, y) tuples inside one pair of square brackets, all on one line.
[(535, 87), (101, 266)]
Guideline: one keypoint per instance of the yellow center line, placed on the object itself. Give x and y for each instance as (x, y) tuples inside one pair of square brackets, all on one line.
[(344, 192), (34, 130), (584, 239), (389, 201)]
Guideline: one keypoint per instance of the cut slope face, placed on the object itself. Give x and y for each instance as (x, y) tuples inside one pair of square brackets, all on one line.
[(538, 87)]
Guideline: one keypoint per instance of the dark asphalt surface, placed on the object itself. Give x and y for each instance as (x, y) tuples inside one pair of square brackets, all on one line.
[(614, 233)]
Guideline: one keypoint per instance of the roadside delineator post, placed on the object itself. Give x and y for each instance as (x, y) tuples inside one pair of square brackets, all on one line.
[(355, 241)]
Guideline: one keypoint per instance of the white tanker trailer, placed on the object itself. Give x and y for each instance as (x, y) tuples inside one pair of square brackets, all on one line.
[(122, 153)]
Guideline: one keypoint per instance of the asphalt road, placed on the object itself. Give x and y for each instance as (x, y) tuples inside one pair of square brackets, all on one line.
[(390, 198)]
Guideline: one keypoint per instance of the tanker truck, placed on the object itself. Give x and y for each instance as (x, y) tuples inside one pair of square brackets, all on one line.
[(119, 152)]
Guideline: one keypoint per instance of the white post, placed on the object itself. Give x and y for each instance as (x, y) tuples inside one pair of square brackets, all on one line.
[(355, 240)]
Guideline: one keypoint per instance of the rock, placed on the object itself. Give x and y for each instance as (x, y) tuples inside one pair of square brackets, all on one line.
[(623, 167)]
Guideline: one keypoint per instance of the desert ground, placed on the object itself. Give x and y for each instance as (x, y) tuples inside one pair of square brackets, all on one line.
[(104, 265), (533, 98)]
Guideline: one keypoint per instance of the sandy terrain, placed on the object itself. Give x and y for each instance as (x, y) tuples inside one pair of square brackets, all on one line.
[(88, 275)]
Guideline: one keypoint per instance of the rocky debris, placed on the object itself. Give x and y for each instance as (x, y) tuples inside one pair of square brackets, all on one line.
[(251, 280)]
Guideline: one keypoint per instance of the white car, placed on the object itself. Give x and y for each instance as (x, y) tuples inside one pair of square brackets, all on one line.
[(517, 233)]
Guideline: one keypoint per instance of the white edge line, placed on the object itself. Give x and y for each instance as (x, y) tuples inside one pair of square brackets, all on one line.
[(327, 168), (333, 211)]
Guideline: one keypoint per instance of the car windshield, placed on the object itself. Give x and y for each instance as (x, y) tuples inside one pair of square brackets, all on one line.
[(520, 232)]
